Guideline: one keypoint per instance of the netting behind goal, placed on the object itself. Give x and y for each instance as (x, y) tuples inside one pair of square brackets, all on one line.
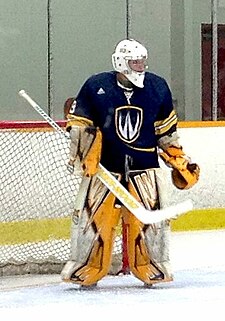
[(37, 199)]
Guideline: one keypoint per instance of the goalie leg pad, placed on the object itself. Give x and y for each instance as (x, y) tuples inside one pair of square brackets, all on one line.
[(96, 232), (146, 243), (158, 236)]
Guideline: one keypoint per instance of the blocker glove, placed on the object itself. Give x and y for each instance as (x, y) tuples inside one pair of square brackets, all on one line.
[(91, 161), (184, 173)]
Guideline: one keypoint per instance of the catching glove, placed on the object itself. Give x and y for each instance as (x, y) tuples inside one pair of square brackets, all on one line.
[(184, 174)]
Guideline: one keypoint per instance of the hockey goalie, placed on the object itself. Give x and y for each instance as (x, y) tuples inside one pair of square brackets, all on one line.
[(125, 120)]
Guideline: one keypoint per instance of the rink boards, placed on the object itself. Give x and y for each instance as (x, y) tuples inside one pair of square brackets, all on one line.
[(204, 145)]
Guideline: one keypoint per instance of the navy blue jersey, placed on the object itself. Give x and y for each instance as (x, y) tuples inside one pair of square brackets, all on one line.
[(131, 121)]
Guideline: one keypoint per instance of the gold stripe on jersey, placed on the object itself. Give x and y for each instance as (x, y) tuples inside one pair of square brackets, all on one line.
[(162, 126), (147, 149), (78, 121)]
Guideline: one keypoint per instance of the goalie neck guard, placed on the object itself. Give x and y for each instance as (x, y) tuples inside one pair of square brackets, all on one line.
[(129, 50)]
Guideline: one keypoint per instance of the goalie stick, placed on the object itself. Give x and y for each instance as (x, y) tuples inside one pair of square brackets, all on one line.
[(135, 207)]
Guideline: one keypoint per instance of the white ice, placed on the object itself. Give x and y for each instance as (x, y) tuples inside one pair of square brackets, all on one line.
[(197, 292)]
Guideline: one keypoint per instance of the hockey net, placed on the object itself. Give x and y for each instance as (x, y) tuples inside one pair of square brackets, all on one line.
[(37, 198)]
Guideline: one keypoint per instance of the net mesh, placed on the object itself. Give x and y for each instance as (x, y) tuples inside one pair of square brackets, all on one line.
[(37, 198)]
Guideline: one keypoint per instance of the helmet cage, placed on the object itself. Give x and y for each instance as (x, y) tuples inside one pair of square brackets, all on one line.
[(129, 50)]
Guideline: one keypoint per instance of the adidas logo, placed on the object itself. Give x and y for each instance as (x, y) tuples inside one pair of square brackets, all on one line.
[(101, 91)]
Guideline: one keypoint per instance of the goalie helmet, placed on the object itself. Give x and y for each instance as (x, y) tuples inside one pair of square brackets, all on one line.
[(129, 50)]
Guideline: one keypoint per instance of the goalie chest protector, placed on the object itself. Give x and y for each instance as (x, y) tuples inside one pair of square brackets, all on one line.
[(127, 119)]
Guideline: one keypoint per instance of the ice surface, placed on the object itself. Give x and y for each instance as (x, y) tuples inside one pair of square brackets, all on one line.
[(197, 292)]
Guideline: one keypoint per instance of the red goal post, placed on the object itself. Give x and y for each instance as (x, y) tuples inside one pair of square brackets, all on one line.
[(37, 198)]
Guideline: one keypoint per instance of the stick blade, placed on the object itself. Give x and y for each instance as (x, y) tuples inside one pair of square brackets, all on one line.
[(168, 213)]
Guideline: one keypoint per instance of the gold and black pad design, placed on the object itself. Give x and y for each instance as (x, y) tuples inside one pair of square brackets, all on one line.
[(144, 261), (96, 233)]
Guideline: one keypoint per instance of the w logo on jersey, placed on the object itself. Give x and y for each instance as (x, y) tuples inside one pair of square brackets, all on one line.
[(128, 122)]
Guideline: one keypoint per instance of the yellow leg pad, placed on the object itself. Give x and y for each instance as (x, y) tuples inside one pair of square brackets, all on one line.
[(98, 263), (140, 262)]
